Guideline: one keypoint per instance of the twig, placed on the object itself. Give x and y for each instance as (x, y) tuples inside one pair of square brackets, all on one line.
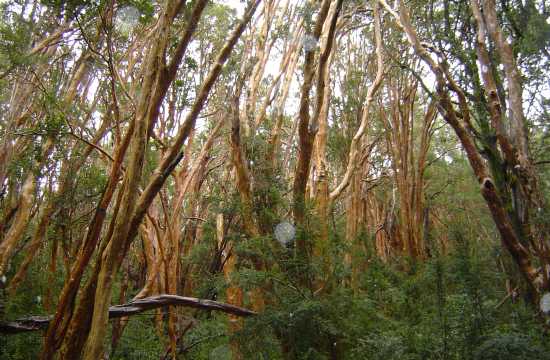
[(506, 298)]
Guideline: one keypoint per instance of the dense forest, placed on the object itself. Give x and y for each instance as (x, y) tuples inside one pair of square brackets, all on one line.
[(274, 179)]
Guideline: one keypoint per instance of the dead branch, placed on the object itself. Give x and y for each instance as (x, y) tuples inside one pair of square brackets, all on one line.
[(34, 323)]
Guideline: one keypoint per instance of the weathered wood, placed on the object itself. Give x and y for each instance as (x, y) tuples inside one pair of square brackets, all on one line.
[(31, 323), (34, 323)]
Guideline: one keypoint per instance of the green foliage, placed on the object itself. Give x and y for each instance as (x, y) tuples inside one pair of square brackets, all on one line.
[(140, 341), (510, 346), (445, 308), (29, 300), (145, 7), (20, 346), (14, 39)]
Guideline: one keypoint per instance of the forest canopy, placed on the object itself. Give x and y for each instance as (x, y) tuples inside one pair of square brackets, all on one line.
[(274, 179)]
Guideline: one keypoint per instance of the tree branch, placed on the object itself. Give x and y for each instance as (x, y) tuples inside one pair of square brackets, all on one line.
[(34, 323)]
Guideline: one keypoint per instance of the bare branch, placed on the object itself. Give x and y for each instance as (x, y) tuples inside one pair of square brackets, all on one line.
[(34, 323)]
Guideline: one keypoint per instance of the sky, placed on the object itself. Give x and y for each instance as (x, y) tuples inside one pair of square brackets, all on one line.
[(236, 4)]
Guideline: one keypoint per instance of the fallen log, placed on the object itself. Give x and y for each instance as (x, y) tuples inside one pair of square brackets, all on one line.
[(34, 323)]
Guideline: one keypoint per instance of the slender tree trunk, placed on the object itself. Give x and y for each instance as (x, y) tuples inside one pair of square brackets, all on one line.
[(306, 130), (371, 92), (508, 235)]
